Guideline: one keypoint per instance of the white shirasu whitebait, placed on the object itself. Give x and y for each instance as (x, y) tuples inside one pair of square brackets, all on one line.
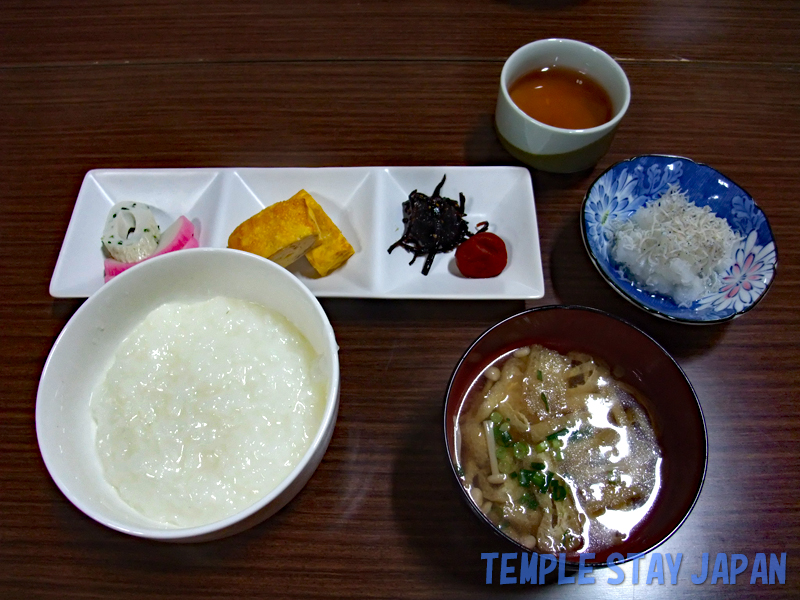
[(131, 232), (674, 247)]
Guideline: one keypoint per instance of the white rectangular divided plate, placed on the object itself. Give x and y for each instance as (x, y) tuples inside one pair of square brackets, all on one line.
[(365, 202)]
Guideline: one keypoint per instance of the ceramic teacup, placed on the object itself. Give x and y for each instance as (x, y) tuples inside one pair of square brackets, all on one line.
[(551, 148)]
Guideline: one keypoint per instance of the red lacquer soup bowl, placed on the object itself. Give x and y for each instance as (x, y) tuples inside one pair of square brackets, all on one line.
[(637, 360)]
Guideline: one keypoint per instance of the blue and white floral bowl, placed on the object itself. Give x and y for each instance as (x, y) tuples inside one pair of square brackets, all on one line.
[(628, 185)]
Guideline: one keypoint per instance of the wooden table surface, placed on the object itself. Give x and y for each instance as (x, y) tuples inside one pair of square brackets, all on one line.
[(122, 84)]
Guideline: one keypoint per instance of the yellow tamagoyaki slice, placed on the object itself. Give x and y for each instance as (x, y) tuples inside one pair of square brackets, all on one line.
[(282, 232), (332, 249)]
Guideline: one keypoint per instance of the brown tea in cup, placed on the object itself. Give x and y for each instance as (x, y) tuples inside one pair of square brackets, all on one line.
[(563, 98)]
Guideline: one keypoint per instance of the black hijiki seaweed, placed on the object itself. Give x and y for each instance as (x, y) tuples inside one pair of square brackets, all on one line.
[(433, 225)]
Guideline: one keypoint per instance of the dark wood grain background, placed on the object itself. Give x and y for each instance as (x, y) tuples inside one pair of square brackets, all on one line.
[(123, 84)]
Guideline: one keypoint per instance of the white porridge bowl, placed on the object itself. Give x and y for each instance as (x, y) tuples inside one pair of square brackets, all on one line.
[(85, 349)]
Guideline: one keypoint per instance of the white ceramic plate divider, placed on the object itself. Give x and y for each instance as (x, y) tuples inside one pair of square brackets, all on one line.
[(365, 202)]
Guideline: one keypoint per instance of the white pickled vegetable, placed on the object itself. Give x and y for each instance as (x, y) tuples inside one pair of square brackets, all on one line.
[(131, 232)]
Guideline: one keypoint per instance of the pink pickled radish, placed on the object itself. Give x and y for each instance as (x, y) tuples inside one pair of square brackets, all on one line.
[(175, 237), (178, 236)]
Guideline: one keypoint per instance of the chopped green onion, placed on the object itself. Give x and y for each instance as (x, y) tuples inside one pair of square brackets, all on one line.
[(538, 466), (556, 444), (502, 437), (557, 490), (528, 501), (546, 403), (557, 434), (541, 446), (526, 477), (581, 434), (504, 427), (539, 480), (521, 450), (496, 418), (539, 375), (501, 453), (513, 475), (505, 466)]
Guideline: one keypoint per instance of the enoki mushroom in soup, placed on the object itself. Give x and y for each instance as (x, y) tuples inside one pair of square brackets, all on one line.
[(557, 452)]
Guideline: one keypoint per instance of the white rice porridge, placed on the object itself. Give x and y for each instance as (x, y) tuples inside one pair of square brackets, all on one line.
[(206, 408)]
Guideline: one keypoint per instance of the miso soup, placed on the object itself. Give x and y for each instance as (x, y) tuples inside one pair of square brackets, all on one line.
[(557, 452)]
